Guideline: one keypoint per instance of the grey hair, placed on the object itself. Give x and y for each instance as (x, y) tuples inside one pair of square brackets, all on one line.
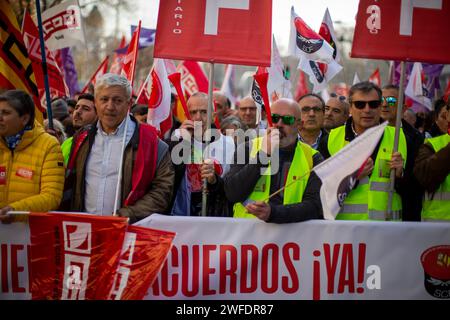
[(57, 125), (111, 79), (232, 121)]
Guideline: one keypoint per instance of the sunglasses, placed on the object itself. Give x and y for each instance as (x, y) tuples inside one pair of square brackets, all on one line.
[(308, 109), (288, 120), (334, 95), (374, 104), (390, 101)]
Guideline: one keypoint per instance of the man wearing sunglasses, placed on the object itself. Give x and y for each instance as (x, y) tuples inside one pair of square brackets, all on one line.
[(287, 194), (369, 197), (336, 112), (409, 188), (312, 109)]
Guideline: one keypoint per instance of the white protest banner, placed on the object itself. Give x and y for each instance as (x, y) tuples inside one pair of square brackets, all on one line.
[(62, 25), (14, 250), (233, 259)]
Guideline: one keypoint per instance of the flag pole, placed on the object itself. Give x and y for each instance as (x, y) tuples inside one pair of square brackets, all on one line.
[(208, 132), (398, 123), (44, 66), (124, 139)]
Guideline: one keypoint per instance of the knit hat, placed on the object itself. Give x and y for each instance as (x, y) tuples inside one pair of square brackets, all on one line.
[(60, 109)]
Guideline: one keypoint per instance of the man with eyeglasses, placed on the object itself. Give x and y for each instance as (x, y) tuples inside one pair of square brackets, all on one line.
[(247, 112), (191, 169), (289, 193), (368, 199), (312, 108), (409, 188), (336, 112)]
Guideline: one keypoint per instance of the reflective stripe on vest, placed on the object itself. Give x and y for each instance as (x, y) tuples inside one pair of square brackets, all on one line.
[(301, 163), (369, 199), (436, 207)]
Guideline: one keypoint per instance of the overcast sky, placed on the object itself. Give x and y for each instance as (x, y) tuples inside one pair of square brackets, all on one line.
[(311, 11)]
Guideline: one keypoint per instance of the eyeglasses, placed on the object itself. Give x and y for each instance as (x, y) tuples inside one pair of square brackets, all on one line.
[(315, 109), (334, 95), (374, 104), (390, 101), (288, 120)]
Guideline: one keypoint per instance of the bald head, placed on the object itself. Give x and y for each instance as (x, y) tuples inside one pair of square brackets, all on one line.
[(286, 106), (287, 121)]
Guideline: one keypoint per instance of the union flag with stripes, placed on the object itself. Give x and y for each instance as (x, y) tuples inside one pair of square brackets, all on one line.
[(16, 70)]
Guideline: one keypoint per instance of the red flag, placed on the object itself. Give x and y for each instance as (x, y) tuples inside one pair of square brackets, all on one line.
[(117, 60), (98, 73), (159, 100), (175, 79), (447, 92), (57, 84), (375, 77), (143, 254), (129, 63), (74, 256), (302, 86), (192, 77), (262, 79)]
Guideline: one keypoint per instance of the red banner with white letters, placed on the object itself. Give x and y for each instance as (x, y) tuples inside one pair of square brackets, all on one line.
[(235, 32), (74, 256), (403, 30), (144, 251)]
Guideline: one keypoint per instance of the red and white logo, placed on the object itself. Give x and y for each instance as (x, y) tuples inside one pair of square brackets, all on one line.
[(123, 272), (24, 173), (77, 250), (215, 26), (2, 175)]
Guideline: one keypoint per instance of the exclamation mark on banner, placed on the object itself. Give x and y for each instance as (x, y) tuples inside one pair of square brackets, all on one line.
[(361, 267), (316, 276)]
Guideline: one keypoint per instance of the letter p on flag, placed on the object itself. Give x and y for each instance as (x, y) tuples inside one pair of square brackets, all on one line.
[(205, 30)]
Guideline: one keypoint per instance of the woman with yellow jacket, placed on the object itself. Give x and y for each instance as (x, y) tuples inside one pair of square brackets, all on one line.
[(31, 162)]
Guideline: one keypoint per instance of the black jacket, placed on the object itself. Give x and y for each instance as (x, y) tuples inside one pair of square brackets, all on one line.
[(242, 178), (217, 204)]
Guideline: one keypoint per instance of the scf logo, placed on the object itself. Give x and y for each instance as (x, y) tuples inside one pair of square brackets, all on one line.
[(77, 251)]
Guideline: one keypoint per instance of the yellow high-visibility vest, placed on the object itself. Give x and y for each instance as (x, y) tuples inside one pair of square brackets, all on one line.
[(301, 165), (368, 201)]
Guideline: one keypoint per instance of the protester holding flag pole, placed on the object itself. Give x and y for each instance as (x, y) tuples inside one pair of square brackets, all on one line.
[(277, 161), (95, 166)]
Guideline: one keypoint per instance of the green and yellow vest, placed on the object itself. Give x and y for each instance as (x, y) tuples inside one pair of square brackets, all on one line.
[(436, 207), (369, 200), (301, 166)]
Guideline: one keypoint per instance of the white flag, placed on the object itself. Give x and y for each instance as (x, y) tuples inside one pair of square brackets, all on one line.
[(415, 88), (339, 173), (304, 42), (228, 84), (159, 88), (278, 85), (62, 25), (322, 73), (356, 78)]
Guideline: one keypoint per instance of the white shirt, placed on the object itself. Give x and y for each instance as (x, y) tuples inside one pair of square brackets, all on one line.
[(102, 169)]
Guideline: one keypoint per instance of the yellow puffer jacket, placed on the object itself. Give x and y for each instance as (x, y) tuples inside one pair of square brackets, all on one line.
[(34, 172)]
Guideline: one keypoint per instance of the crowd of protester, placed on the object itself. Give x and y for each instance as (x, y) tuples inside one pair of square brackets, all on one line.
[(101, 157)]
